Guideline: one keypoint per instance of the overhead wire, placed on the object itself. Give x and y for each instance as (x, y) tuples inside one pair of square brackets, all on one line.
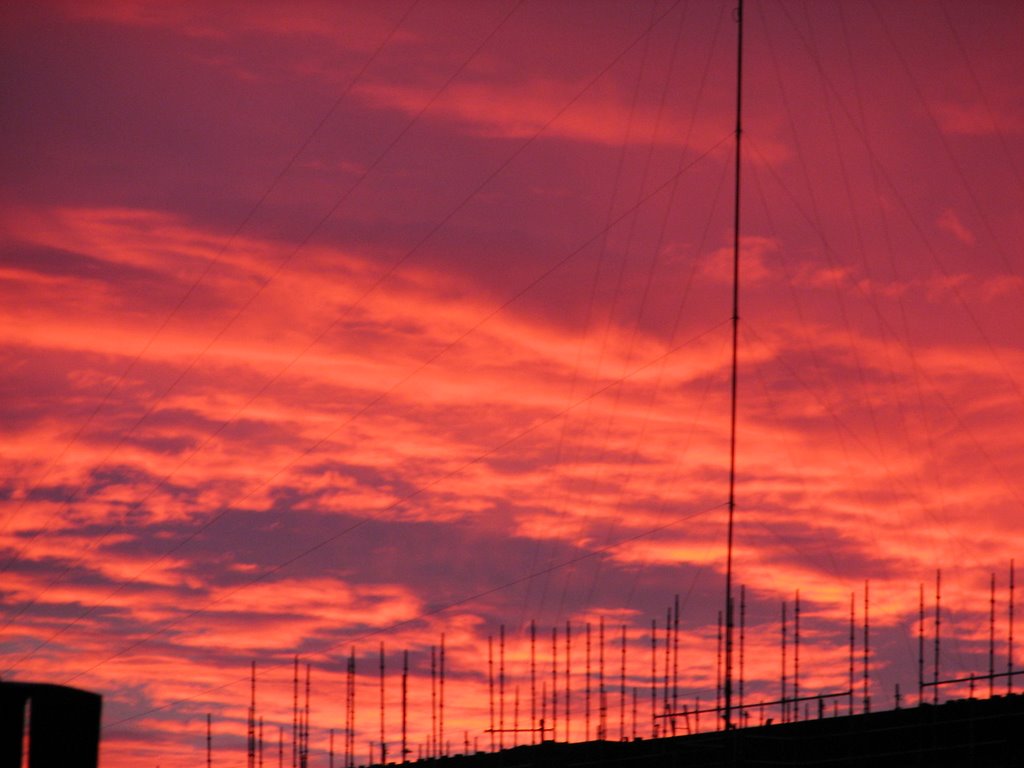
[(409, 253), (316, 445), (325, 541), (249, 301), (210, 261)]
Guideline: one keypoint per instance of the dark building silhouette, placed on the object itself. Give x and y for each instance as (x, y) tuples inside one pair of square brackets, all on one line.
[(63, 726), (969, 733)]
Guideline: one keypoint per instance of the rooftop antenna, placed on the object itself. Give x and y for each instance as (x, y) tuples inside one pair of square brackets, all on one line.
[(796, 654), (938, 627), (554, 683), (735, 350), (405, 702), (992, 635), (440, 732), (867, 667), (383, 745), (533, 676), (490, 683), (568, 668), (743, 622), (1009, 647), (295, 712)]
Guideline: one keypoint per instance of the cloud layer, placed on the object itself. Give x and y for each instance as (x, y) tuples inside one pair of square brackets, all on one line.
[(336, 326)]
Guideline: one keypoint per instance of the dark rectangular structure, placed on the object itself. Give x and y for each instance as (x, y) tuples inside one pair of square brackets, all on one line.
[(63, 725)]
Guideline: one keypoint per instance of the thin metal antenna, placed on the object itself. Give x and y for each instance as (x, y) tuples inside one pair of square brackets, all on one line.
[(432, 747), (782, 698), (796, 654), (991, 635), (634, 712), (1009, 645), (501, 687), (383, 744), (305, 725), (209, 742), (921, 645), (938, 625), (743, 623), (490, 678), (440, 734), (853, 639), (735, 369), (350, 711), (654, 678), (295, 712), (515, 716), (668, 663), (533, 678), (675, 662), (718, 665), (252, 716), (586, 692), (568, 669), (405, 702), (602, 696), (554, 684), (867, 651), (622, 689)]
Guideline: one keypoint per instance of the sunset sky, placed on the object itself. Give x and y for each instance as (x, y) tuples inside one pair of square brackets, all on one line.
[(331, 324)]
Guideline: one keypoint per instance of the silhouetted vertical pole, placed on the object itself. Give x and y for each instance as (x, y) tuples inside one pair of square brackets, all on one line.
[(543, 708), (331, 750), (405, 705), (554, 684), (432, 747), (852, 648), (252, 717), (796, 654), (634, 712), (305, 725), (533, 678), (867, 651), (782, 697), (280, 747), (295, 712), (675, 662), (586, 692), (602, 695), (920, 645), (209, 741), (515, 716), (743, 626), (992, 635), (938, 625), (1009, 645), (568, 667), (383, 743), (735, 370), (440, 733), (501, 687), (490, 677), (654, 678), (622, 688), (350, 710), (668, 668), (718, 666), (261, 741)]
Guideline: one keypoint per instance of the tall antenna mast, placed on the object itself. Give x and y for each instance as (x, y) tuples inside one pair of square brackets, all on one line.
[(735, 349)]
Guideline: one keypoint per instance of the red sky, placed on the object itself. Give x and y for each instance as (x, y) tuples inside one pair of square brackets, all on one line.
[(326, 324)]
